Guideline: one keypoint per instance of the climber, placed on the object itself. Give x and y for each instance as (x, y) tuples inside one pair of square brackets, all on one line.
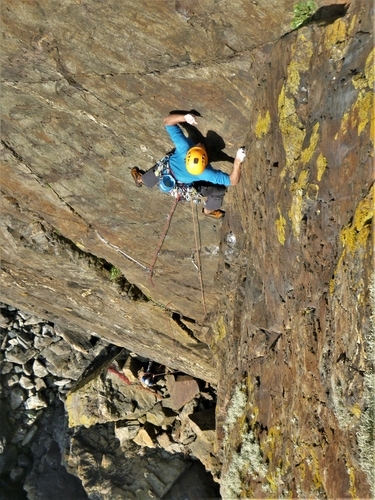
[(188, 165)]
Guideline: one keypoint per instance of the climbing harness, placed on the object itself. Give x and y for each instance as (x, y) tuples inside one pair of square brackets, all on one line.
[(169, 184)]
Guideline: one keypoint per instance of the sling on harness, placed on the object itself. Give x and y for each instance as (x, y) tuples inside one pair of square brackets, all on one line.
[(185, 192)]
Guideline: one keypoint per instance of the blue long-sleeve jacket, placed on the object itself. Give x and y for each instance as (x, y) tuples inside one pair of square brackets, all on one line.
[(177, 161)]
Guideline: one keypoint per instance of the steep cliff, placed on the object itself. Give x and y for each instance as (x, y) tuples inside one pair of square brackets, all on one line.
[(286, 275)]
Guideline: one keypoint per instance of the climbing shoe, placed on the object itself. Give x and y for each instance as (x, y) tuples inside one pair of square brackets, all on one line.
[(214, 214), (137, 176)]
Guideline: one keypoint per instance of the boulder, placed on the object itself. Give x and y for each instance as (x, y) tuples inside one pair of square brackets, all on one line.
[(160, 416), (144, 438), (181, 389)]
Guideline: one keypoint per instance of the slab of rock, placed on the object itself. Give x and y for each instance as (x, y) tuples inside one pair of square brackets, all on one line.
[(6, 367), (107, 399), (165, 442), (35, 403), (203, 423), (143, 438), (126, 432), (182, 389), (41, 342), (39, 369), (17, 397), (26, 382), (160, 416), (19, 355)]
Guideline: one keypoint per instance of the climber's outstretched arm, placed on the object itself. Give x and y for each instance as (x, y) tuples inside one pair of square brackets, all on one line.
[(175, 119), (235, 175)]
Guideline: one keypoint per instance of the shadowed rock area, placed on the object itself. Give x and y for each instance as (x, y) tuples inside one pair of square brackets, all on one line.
[(282, 325)]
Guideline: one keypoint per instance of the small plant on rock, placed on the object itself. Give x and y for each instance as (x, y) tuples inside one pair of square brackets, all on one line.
[(302, 12), (115, 273)]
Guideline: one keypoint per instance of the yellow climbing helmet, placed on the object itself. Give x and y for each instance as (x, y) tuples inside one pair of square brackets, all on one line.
[(196, 160)]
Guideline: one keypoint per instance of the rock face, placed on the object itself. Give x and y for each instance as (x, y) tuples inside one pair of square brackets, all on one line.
[(90, 432), (286, 275)]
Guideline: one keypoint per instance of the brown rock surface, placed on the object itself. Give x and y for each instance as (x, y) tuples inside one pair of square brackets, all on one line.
[(182, 389), (286, 275), (296, 338)]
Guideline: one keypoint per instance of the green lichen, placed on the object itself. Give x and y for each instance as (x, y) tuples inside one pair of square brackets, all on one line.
[(248, 460), (236, 408), (366, 428)]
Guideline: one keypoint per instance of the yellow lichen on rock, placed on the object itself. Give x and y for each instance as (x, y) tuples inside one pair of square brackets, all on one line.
[(351, 474), (356, 410), (321, 165), (292, 131), (364, 110), (263, 125), (309, 151), (280, 227), (355, 235), (295, 213), (219, 330), (335, 39), (301, 53)]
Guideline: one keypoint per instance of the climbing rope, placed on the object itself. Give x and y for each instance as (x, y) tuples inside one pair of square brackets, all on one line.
[(197, 247), (162, 237)]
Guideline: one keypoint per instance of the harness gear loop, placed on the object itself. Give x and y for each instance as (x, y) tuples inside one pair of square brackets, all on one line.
[(185, 192)]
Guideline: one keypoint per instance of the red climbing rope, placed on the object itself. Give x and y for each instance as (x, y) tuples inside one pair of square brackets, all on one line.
[(162, 237)]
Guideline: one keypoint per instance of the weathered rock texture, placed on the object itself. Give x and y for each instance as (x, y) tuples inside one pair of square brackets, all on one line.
[(74, 425), (85, 88)]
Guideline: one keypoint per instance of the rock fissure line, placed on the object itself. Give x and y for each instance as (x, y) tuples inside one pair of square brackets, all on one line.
[(44, 184)]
